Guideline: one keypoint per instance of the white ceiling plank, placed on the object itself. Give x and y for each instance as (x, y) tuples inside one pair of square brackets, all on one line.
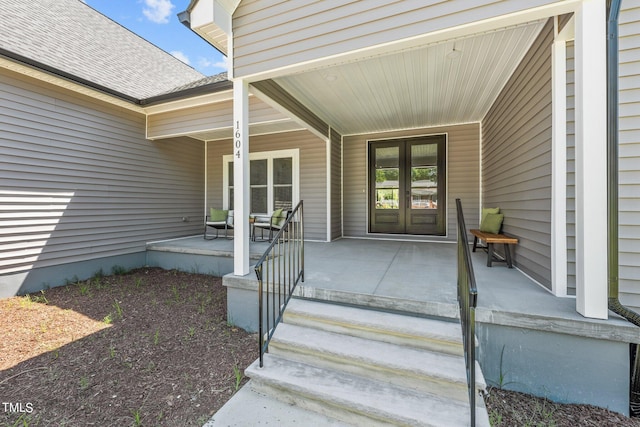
[(417, 87)]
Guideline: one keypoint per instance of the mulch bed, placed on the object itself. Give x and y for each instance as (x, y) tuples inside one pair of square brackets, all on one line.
[(153, 347), (511, 409), (148, 347)]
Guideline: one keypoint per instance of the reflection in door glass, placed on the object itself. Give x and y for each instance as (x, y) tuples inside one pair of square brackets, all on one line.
[(424, 176), (387, 177)]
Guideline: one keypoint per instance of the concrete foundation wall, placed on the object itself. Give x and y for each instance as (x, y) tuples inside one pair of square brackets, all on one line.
[(191, 263), (562, 368), (37, 279)]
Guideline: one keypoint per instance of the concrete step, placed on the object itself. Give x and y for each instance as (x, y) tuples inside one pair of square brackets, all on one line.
[(419, 369), (354, 399), (435, 335), (249, 408)]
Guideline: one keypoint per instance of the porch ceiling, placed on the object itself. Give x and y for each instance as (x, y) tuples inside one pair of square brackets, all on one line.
[(419, 87)]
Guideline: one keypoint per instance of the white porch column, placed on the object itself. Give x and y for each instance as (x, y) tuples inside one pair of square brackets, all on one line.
[(591, 160), (241, 177), (559, 170)]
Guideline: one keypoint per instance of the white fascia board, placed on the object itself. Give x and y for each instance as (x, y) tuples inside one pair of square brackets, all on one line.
[(196, 101), (205, 13), (439, 36), (68, 85), (211, 19)]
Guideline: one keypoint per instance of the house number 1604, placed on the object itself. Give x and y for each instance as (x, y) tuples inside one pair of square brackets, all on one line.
[(238, 142)]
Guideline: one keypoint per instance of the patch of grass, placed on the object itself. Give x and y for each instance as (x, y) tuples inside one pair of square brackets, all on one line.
[(117, 308), (137, 418), (24, 420), (26, 301), (84, 383), (112, 352), (205, 300), (191, 332), (156, 337), (40, 298), (545, 411), (238, 375), (118, 270), (84, 287), (501, 383), (29, 300), (108, 319), (495, 418), (176, 294), (73, 280)]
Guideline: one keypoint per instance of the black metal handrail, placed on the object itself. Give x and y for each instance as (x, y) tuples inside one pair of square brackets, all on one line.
[(467, 300), (279, 270)]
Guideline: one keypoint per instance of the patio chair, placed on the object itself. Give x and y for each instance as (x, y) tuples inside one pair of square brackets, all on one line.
[(218, 219), (272, 223)]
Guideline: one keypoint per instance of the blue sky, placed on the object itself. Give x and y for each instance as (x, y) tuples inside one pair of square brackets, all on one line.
[(157, 22)]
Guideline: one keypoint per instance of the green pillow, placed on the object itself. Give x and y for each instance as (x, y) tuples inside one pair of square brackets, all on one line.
[(218, 215), (492, 223), (277, 218), (487, 211)]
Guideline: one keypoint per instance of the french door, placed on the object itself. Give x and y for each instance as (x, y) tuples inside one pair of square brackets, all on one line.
[(407, 186)]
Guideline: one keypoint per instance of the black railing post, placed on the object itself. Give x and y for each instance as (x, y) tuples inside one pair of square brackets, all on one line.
[(467, 301), (281, 266)]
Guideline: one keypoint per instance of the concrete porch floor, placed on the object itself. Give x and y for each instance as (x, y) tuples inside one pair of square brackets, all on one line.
[(420, 277)]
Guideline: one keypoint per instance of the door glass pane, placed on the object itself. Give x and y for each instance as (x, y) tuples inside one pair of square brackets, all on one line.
[(387, 177), (424, 176)]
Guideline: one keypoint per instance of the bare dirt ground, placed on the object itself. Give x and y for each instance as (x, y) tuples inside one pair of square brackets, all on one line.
[(152, 347), (510, 409)]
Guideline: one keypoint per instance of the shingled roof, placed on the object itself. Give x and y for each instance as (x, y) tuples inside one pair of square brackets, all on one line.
[(69, 36)]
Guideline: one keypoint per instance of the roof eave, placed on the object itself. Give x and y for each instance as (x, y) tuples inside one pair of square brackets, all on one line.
[(135, 103), (66, 76), (188, 93)]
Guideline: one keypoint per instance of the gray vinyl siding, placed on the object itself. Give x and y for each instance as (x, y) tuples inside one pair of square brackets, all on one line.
[(463, 178), (516, 158), (629, 154), (571, 170), (206, 118), (79, 181), (313, 173), (336, 184), (274, 34)]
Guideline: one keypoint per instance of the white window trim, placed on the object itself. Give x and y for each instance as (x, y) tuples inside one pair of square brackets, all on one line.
[(294, 153)]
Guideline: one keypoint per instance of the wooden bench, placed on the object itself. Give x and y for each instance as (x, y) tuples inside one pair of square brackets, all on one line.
[(490, 239)]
